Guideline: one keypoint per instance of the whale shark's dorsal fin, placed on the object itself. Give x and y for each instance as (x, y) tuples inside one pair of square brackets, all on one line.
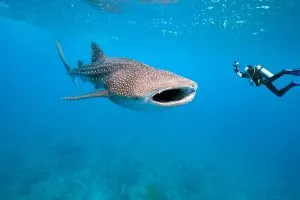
[(79, 63), (97, 53)]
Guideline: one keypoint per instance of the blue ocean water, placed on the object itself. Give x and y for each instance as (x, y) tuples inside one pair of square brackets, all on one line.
[(233, 142)]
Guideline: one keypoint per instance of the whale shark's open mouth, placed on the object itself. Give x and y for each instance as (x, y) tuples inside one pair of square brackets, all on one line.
[(174, 96)]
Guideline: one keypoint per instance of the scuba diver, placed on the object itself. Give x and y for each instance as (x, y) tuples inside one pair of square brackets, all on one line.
[(261, 76)]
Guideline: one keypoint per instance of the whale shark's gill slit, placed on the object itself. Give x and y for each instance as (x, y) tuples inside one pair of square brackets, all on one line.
[(171, 95)]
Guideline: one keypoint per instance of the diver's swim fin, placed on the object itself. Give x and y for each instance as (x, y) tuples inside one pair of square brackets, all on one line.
[(294, 72), (296, 83)]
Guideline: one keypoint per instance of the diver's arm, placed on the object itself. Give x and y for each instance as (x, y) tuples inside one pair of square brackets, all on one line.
[(242, 74), (238, 71)]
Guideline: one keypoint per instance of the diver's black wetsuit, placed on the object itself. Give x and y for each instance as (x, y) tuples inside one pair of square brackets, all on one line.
[(255, 75)]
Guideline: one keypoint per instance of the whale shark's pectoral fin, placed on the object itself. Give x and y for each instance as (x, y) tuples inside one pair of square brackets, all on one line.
[(102, 93)]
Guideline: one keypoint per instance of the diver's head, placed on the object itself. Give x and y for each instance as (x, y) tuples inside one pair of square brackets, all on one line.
[(249, 70)]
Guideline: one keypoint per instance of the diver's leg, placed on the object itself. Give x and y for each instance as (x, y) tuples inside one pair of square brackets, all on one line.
[(275, 76), (294, 72), (282, 91)]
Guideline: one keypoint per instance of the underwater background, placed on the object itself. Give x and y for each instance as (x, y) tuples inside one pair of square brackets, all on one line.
[(233, 142)]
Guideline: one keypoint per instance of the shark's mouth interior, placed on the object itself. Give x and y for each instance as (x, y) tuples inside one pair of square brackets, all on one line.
[(174, 95)]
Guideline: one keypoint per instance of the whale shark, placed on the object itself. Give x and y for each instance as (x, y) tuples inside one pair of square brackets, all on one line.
[(129, 83)]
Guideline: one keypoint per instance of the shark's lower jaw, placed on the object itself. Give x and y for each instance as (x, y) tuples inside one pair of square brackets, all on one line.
[(173, 96)]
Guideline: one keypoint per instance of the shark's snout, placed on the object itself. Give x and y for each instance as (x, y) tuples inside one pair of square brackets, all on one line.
[(174, 96)]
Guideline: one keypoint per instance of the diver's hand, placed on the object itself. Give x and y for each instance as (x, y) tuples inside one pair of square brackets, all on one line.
[(236, 63), (251, 81)]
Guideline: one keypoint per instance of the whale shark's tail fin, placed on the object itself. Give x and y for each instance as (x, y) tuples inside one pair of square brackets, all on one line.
[(63, 59)]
